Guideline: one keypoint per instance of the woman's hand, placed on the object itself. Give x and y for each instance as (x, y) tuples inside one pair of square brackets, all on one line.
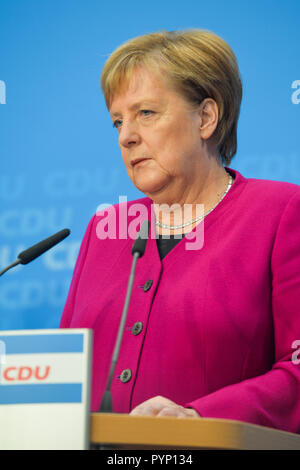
[(160, 406)]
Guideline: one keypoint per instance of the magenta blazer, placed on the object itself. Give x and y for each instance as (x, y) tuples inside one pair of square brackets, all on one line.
[(216, 328)]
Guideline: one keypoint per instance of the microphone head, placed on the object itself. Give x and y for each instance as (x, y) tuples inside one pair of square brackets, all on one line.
[(139, 245), (36, 250)]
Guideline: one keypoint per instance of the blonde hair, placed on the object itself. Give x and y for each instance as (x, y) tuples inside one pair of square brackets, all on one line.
[(198, 63)]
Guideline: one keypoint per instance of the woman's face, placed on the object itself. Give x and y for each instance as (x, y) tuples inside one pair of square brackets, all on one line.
[(159, 136)]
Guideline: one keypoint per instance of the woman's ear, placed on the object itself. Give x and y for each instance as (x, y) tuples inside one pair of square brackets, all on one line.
[(209, 115)]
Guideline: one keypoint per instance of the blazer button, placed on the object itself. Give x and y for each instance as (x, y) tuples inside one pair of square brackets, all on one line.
[(126, 375), (147, 285), (137, 328)]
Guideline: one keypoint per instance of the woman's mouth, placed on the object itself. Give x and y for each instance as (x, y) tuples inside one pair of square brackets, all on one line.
[(139, 161)]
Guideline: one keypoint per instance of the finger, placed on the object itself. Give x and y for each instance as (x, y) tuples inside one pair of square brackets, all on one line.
[(175, 411), (190, 413), (144, 410), (152, 406)]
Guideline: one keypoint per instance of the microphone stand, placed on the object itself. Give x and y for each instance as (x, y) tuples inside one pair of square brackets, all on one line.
[(106, 404), (137, 251), (15, 263)]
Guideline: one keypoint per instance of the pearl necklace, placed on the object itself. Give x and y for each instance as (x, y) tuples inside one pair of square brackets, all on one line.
[(173, 227)]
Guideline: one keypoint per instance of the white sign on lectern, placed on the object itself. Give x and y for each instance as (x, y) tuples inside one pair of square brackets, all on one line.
[(45, 389)]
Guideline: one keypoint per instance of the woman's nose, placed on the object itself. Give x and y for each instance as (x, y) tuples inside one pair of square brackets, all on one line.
[(128, 135)]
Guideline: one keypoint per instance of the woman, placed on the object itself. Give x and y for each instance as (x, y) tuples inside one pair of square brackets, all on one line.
[(211, 329)]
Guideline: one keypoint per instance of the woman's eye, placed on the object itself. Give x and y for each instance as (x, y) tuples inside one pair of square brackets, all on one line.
[(117, 123), (146, 112)]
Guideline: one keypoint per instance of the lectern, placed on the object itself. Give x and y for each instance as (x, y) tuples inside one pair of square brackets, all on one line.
[(122, 432)]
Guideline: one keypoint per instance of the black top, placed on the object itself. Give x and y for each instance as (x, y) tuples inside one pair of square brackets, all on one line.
[(165, 245)]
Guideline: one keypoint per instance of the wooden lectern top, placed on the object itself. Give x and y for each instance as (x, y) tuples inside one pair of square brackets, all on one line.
[(139, 432)]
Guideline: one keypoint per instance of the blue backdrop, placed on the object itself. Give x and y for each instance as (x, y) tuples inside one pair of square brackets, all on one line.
[(59, 152)]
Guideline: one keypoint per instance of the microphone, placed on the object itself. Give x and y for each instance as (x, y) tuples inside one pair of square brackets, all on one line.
[(137, 251), (38, 249)]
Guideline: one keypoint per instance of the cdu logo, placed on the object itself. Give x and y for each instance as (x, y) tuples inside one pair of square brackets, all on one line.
[(2, 92), (2, 357)]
